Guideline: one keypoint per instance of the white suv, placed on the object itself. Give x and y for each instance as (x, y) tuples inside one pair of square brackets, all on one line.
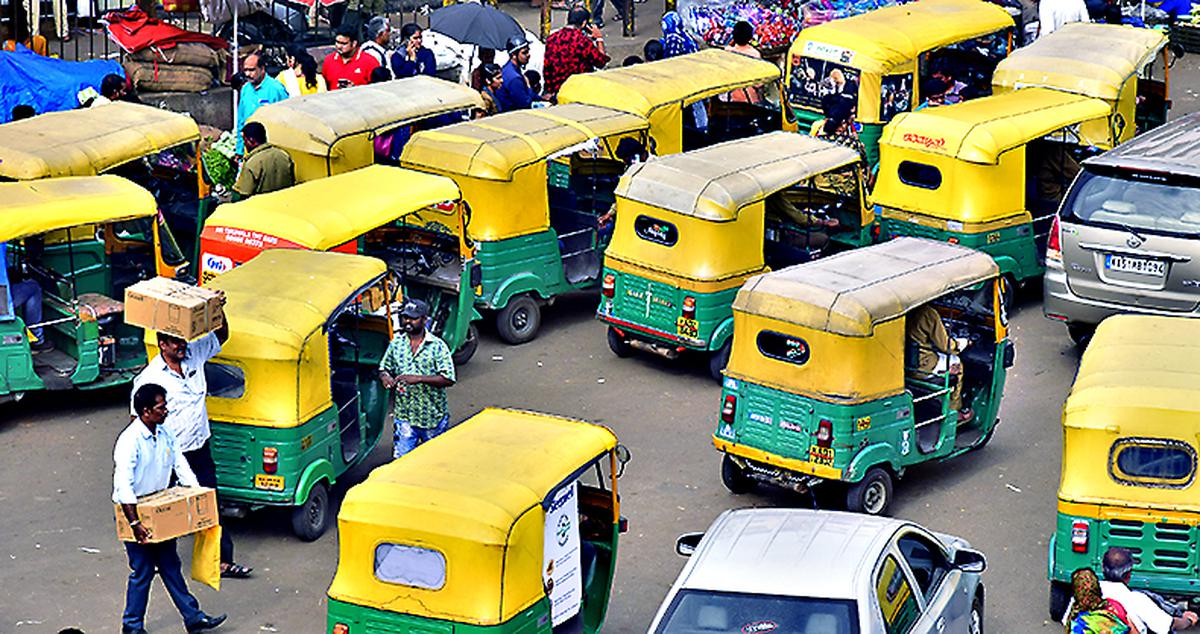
[(796, 571)]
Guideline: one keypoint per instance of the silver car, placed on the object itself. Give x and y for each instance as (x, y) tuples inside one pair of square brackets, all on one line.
[(1127, 237), (797, 571)]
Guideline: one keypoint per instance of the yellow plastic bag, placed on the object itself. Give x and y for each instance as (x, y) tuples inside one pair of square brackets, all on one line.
[(206, 557)]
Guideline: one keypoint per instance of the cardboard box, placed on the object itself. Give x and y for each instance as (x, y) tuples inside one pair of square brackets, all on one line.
[(172, 513), (165, 305)]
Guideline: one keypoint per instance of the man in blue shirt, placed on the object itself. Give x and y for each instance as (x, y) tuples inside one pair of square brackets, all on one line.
[(259, 89), (514, 92), (144, 457)]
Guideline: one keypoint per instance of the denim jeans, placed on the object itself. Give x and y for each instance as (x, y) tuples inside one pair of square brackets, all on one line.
[(27, 296), (406, 437), (144, 561)]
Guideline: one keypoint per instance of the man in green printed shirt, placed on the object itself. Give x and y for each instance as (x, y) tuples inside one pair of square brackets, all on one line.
[(417, 364)]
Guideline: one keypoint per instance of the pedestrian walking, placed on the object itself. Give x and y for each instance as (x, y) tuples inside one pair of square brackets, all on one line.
[(379, 37), (145, 456), (1053, 14), (179, 369), (267, 167), (258, 90), (514, 93), (578, 47), (347, 65), (418, 367)]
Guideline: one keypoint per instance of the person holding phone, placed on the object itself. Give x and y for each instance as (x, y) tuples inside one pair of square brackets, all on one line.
[(412, 58), (347, 65)]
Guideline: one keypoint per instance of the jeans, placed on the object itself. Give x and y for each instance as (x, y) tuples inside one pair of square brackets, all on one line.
[(406, 437), (144, 561), (201, 462), (27, 296), (597, 10)]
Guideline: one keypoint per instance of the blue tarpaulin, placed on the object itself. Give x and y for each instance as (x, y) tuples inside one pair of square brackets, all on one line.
[(46, 83)]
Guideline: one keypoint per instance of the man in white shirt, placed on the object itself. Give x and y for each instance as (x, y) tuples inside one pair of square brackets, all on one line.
[(144, 457), (1143, 612), (1053, 14), (379, 36), (179, 368)]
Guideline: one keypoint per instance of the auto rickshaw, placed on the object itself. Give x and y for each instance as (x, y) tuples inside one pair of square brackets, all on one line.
[(664, 92), (1130, 430), (1112, 62), (508, 522), (411, 220), (333, 132), (152, 147), (824, 384), (692, 227), (989, 173), (294, 395), (880, 59), (537, 182), (83, 240)]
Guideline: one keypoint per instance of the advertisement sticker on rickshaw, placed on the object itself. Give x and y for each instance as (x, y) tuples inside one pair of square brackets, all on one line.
[(656, 231), (783, 347), (759, 627), (821, 50), (862, 424), (561, 561)]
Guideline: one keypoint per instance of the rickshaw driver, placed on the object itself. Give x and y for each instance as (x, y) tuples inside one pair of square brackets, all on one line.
[(936, 352), (781, 210), (417, 364), (27, 295)]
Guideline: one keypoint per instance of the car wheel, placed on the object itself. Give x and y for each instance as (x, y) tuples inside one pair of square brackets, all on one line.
[(519, 321), (617, 344), (871, 495), (734, 477), (464, 354), (720, 359), (309, 519), (1060, 597), (1081, 334), (976, 624)]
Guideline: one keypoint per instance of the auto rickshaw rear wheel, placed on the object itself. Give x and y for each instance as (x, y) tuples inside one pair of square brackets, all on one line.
[(617, 344), (1081, 334), (519, 321), (1060, 598), (309, 519), (464, 354), (734, 477), (871, 495), (720, 359)]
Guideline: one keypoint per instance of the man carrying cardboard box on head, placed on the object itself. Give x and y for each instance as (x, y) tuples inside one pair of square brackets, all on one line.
[(179, 368), (145, 455)]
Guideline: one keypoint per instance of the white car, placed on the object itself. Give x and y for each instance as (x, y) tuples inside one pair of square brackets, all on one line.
[(797, 571)]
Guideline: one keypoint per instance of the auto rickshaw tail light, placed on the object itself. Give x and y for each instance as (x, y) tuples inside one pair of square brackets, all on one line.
[(270, 460), (952, 240), (689, 307), (609, 288), (341, 628), (1079, 536), (1054, 241), (825, 434), (729, 409)]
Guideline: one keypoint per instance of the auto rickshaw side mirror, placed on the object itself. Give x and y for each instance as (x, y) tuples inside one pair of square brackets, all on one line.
[(476, 275), (1010, 356), (969, 560), (685, 544), (622, 525), (623, 457)]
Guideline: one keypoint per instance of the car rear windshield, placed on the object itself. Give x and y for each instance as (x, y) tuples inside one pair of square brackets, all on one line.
[(694, 611), (1129, 201)]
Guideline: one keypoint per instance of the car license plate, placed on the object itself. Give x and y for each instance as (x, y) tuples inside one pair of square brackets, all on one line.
[(268, 482), (685, 327), (820, 455), (1141, 266)]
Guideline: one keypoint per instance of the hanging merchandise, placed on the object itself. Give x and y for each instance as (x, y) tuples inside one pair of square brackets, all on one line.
[(776, 22)]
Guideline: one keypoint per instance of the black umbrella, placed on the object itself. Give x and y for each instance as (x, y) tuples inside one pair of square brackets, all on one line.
[(474, 23)]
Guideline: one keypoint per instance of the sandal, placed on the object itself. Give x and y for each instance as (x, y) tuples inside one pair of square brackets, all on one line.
[(235, 571)]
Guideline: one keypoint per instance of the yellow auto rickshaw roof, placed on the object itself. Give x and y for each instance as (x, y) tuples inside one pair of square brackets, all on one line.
[(327, 212), (313, 123), (89, 141), (643, 88), (30, 208), (980, 130), (1088, 59), (278, 299), (491, 469), (495, 147), (892, 36), (849, 293), (713, 183), (1137, 362)]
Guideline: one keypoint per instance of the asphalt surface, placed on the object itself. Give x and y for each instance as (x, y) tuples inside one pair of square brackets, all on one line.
[(60, 564)]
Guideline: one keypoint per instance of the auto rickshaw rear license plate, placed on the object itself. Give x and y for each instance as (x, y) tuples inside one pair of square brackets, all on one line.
[(268, 482), (820, 455), (685, 327)]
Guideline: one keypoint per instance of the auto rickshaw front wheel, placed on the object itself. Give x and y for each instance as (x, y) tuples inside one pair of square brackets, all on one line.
[(871, 495), (309, 519), (464, 354), (735, 477), (519, 320)]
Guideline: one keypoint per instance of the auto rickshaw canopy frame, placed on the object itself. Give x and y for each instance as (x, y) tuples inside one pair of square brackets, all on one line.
[(30, 208), (850, 293), (89, 141), (1137, 384), (325, 213), (477, 497), (716, 182)]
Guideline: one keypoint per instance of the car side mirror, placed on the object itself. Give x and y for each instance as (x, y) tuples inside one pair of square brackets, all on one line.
[(686, 544), (968, 560)]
